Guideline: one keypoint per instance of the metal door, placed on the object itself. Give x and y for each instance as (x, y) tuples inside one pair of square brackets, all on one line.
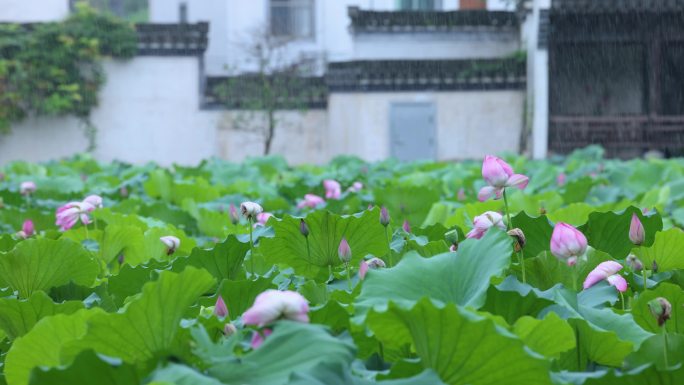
[(412, 131)]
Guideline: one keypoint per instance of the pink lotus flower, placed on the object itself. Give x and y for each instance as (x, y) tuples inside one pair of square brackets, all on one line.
[(272, 305), (69, 214), (311, 200), (373, 263), (560, 179), (94, 200), (220, 309), (26, 188), (250, 209), (384, 216), (344, 251), (499, 175), (262, 218), (406, 226), (568, 243), (171, 243), (484, 222), (606, 270), (333, 190), (355, 187), (28, 228), (259, 337), (636, 231)]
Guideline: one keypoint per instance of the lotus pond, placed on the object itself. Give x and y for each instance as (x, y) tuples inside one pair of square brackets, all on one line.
[(567, 271)]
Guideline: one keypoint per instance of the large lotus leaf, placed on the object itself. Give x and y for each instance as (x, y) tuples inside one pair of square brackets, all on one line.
[(549, 336), (223, 261), (363, 231), (641, 376), (86, 368), (522, 201), (594, 345), (159, 185), (406, 202), (609, 231), (155, 249), (512, 300), (41, 264), (674, 294), (666, 250), (461, 278), (463, 216), (199, 190), (575, 214), (653, 351), (150, 323), (240, 295), (463, 348), (537, 233), (123, 239), (292, 347), (545, 271), (170, 214), (331, 374), (128, 282), (176, 374), (42, 346), (18, 316)]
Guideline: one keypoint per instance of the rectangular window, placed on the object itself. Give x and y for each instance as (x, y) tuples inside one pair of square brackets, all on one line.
[(292, 18), (419, 5)]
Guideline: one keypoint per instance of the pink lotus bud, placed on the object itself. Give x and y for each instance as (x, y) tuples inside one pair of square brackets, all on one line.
[(384, 216), (250, 209), (661, 309), (94, 200), (220, 309), (498, 174), (303, 228), (259, 337), (272, 305), (373, 263), (262, 218), (234, 216), (484, 222), (311, 201), (636, 231), (560, 179), (344, 251), (28, 228), (406, 226), (69, 214), (604, 270), (568, 243), (333, 190), (171, 243), (26, 188), (356, 187), (229, 329)]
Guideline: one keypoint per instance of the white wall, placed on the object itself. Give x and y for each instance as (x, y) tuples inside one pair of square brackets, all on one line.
[(469, 124), (31, 11)]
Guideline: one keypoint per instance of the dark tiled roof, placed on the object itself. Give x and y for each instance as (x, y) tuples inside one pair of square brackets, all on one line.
[(172, 39), (427, 75), (610, 6), (363, 21)]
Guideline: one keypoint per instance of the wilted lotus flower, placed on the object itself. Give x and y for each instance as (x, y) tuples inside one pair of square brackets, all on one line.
[(384, 216), (519, 237), (28, 229), (27, 188), (262, 218), (568, 243), (234, 217), (634, 263), (484, 222), (661, 309), (311, 200), (406, 226), (258, 339), (333, 190), (498, 174), (356, 187), (94, 200), (373, 263), (636, 231), (344, 251), (229, 329), (272, 305), (303, 228), (250, 210), (69, 214), (606, 270), (220, 309), (560, 179), (171, 243)]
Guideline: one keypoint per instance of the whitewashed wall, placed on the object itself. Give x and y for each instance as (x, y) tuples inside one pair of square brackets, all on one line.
[(32, 11), (469, 124)]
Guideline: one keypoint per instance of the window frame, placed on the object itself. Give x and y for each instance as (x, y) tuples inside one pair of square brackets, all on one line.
[(438, 6), (292, 4)]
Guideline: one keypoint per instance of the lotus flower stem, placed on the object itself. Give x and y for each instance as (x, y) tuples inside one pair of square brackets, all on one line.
[(87, 235), (643, 274), (574, 277), (622, 299), (346, 265), (667, 365), (308, 249), (509, 225), (251, 245), (389, 248), (330, 272)]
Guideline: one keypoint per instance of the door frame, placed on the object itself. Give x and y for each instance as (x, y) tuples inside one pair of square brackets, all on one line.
[(433, 110)]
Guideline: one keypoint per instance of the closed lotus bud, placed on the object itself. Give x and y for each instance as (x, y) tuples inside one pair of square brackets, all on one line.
[(661, 309), (220, 309), (634, 263), (406, 226), (234, 216), (303, 228), (519, 237), (28, 228), (384, 216), (344, 251), (171, 243), (250, 210), (229, 329), (568, 243), (636, 231)]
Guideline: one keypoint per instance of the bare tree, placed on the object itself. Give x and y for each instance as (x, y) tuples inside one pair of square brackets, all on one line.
[(275, 82)]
